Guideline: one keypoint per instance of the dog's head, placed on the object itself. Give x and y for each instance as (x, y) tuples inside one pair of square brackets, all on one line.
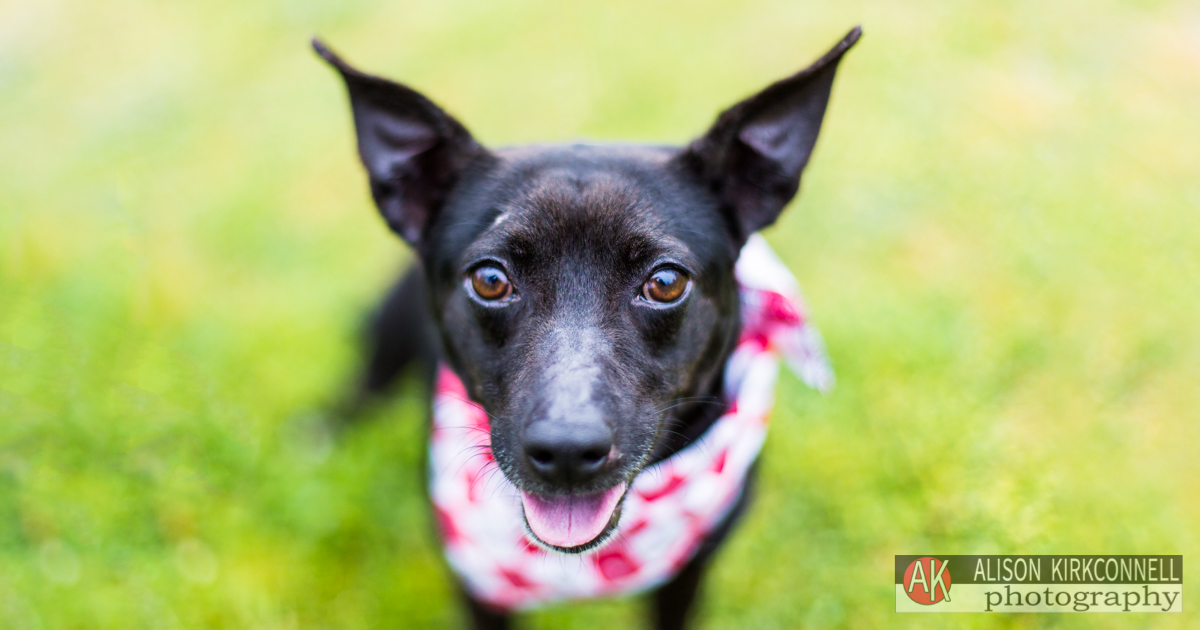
[(585, 294)]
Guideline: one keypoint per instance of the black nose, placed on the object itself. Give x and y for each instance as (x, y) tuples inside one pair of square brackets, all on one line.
[(567, 453)]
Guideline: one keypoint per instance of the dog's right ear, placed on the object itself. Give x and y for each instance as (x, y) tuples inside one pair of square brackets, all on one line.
[(413, 151)]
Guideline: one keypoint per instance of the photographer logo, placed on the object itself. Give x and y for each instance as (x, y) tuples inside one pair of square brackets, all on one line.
[(927, 581), (1039, 584)]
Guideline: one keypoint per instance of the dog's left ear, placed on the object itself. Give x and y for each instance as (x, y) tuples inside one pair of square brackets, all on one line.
[(754, 154), (413, 151)]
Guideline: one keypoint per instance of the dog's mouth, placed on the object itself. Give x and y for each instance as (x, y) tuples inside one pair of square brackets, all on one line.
[(573, 523)]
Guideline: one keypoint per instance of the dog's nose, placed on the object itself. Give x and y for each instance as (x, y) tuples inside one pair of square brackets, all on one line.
[(567, 453)]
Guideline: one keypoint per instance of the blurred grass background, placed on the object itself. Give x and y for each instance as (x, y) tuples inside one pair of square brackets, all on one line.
[(998, 236)]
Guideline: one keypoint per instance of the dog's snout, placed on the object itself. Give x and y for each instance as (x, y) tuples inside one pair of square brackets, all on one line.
[(567, 453)]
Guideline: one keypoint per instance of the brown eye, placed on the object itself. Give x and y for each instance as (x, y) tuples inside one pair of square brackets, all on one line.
[(490, 284), (665, 286)]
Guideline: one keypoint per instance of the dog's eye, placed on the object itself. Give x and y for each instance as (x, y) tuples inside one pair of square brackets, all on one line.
[(665, 286), (490, 284)]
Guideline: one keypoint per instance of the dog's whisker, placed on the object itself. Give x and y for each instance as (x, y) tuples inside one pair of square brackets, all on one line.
[(665, 429), (491, 476), (470, 456), (489, 414), (688, 402), (468, 428)]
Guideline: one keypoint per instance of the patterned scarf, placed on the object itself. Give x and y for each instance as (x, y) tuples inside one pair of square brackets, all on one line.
[(670, 507)]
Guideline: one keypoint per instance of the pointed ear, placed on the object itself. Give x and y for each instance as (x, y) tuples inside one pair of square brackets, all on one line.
[(413, 151), (754, 154)]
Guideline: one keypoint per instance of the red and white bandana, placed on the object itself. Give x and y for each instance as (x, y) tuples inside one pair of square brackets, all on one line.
[(670, 506)]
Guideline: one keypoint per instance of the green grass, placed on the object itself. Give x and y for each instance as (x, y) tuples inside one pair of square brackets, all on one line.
[(997, 235)]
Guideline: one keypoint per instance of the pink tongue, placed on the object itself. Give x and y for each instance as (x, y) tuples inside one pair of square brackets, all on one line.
[(572, 520)]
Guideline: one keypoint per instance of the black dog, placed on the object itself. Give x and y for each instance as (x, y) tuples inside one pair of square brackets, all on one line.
[(578, 291)]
